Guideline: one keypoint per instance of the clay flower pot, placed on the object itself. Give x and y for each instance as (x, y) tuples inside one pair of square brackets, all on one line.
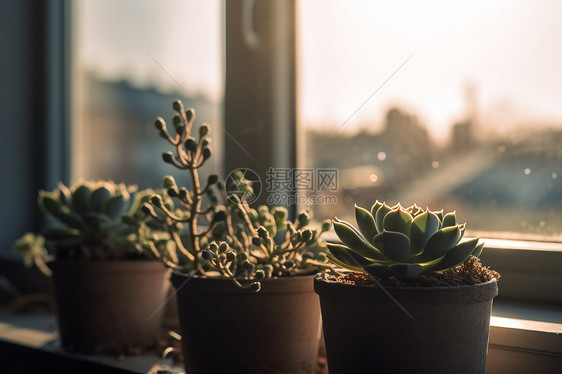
[(108, 306), (439, 329), (226, 329)]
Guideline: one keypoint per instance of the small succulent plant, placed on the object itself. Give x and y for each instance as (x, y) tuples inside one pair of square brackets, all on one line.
[(232, 240), (401, 242), (89, 220)]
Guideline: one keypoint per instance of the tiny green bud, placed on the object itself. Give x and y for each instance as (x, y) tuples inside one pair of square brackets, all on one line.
[(260, 274), (306, 235), (177, 120), (207, 255), (230, 256), (213, 247), (255, 287), (168, 157), (177, 106), (160, 124), (184, 193), (242, 256), (289, 264), (148, 210), (223, 247), (304, 219), (203, 130), (247, 265), (191, 144), (156, 200), (213, 178), (326, 225), (190, 114), (205, 143), (172, 192), (262, 232), (256, 240), (169, 182), (206, 153), (220, 215)]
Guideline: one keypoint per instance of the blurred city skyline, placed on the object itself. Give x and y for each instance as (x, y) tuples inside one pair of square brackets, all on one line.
[(506, 50)]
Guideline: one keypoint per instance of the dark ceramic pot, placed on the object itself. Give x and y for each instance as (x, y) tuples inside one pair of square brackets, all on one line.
[(108, 306), (226, 329), (432, 330)]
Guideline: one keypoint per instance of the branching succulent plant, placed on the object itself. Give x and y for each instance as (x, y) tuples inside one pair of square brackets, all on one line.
[(401, 242), (231, 241), (89, 224)]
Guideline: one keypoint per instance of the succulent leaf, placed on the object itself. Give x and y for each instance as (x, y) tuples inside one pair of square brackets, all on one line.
[(379, 217), (450, 219), (80, 198), (394, 245), (455, 256), (398, 220), (365, 222), (48, 204), (98, 198), (115, 207), (422, 228), (440, 243), (350, 237), (478, 250), (375, 207), (348, 256)]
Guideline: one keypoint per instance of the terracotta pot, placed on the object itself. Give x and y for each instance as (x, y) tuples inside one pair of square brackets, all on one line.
[(108, 306), (226, 329), (446, 330)]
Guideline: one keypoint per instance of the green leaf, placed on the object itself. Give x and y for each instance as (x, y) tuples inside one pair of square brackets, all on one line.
[(80, 199), (406, 271), (64, 194), (56, 234), (421, 229), (115, 207), (440, 215), (353, 239), (456, 256), (379, 217), (375, 207), (439, 244), (96, 220), (398, 220), (449, 220), (72, 219), (98, 198), (393, 245), (48, 205), (366, 223), (478, 250), (346, 258)]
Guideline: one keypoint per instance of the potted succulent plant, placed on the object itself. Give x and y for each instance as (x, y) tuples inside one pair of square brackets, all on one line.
[(107, 291), (243, 277), (414, 299)]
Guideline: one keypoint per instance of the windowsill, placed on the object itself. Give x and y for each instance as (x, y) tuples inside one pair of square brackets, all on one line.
[(24, 334)]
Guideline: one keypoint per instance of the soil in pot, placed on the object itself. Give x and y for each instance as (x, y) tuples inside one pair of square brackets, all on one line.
[(226, 329), (110, 307), (405, 329)]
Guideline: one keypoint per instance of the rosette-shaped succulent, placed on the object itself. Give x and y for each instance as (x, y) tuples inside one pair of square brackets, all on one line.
[(90, 219), (401, 242)]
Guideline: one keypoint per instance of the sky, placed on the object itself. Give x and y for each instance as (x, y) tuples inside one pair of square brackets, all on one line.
[(509, 51)]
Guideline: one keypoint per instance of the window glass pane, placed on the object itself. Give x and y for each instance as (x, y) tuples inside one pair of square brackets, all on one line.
[(452, 105), (131, 60)]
